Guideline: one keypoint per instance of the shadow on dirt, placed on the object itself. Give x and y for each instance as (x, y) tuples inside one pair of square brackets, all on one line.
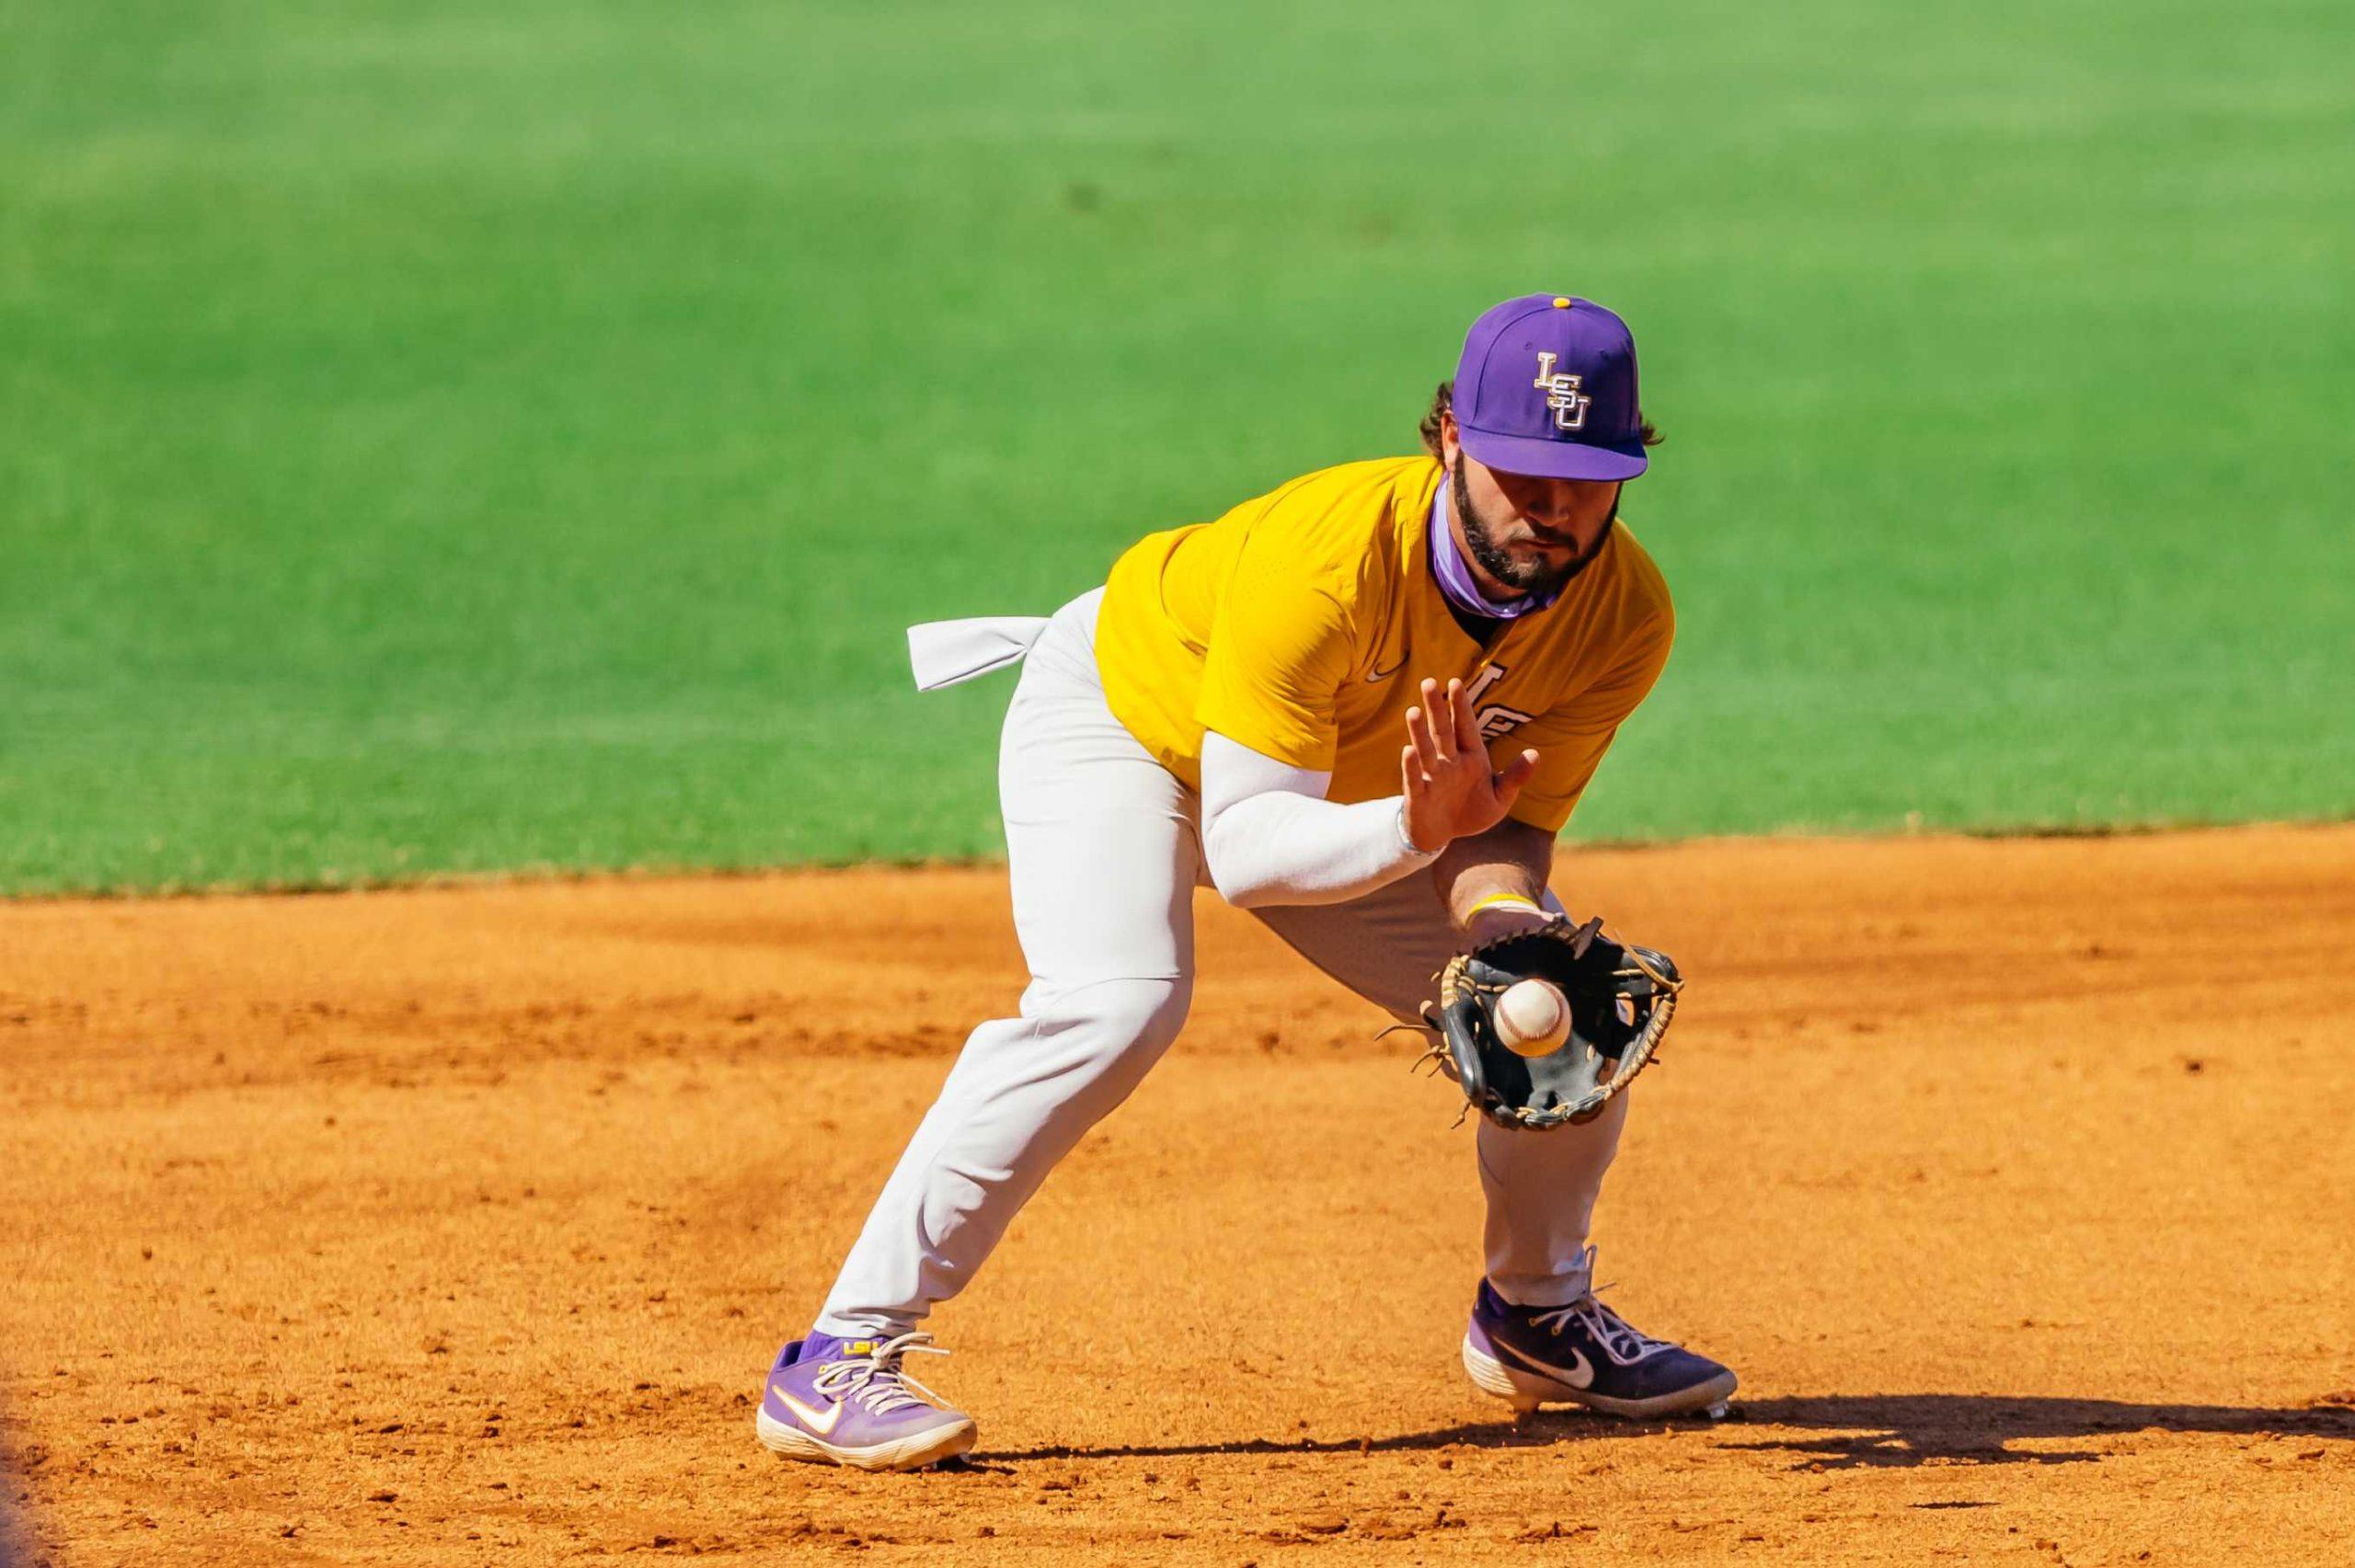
[(1860, 1430), (1910, 1429), (16, 1539)]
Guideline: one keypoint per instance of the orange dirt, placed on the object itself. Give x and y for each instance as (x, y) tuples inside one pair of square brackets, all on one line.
[(458, 1226)]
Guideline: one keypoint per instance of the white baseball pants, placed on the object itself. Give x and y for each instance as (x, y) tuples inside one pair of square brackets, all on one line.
[(1104, 857)]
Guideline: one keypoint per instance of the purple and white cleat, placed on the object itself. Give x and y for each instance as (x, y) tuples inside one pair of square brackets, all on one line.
[(1585, 1354), (847, 1401)]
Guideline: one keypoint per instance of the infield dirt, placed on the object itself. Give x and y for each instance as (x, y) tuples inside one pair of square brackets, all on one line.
[(458, 1226)]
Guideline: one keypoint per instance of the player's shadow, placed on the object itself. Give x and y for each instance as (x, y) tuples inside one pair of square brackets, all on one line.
[(1857, 1430), (1900, 1430)]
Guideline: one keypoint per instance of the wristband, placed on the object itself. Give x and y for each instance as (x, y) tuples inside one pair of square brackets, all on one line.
[(1506, 901), (1406, 839)]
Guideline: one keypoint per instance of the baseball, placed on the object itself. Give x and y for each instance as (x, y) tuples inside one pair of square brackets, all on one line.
[(1532, 1020)]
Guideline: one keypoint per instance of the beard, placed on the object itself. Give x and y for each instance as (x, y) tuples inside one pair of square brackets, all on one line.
[(1533, 574)]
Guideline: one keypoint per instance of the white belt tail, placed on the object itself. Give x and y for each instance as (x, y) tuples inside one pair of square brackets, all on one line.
[(942, 653)]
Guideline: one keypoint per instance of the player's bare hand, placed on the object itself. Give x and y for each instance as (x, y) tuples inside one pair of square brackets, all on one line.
[(1452, 792)]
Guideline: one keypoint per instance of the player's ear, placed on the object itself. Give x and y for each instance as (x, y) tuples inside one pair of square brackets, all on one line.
[(1448, 439)]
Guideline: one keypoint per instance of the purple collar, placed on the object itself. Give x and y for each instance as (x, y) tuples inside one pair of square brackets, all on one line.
[(1455, 578)]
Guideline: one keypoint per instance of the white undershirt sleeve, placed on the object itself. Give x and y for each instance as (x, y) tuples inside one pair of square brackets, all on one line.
[(1270, 837)]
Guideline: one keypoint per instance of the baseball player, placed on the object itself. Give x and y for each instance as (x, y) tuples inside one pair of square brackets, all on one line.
[(1361, 707)]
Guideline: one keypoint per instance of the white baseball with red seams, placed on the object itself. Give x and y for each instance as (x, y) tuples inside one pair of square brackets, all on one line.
[(1533, 1018)]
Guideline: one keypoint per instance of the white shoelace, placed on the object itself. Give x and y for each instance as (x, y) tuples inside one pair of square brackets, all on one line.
[(876, 1380), (1621, 1340)]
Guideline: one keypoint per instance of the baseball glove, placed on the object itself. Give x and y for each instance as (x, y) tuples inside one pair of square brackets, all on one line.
[(1621, 1000)]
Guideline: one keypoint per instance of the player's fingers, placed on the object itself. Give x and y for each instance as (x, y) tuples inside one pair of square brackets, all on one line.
[(1418, 731), (1517, 772), (1442, 727), (1459, 707)]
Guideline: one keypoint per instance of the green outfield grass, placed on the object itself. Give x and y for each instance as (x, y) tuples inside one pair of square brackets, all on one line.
[(455, 437)]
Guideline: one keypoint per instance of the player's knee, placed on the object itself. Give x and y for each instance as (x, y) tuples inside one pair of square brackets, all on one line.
[(1143, 1014), (1108, 1029), (1095, 1042)]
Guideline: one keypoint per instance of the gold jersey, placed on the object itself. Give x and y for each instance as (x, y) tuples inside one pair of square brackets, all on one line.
[(1302, 623)]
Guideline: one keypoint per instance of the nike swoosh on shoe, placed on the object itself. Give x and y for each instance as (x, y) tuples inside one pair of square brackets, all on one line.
[(820, 1424), (1578, 1377)]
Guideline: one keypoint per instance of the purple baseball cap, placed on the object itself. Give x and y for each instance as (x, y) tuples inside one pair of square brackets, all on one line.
[(1546, 387)]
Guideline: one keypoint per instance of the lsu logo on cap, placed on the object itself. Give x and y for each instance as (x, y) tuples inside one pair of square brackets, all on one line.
[(1562, 394)]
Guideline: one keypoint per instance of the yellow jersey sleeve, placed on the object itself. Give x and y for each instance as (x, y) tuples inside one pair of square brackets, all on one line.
[(1280, 645), (1571, 739)]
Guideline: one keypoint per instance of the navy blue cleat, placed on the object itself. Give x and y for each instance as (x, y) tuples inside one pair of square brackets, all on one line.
[(1585, 1354)]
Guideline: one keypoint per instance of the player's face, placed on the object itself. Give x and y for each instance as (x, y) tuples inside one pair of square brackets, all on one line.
[(1530, 534)]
